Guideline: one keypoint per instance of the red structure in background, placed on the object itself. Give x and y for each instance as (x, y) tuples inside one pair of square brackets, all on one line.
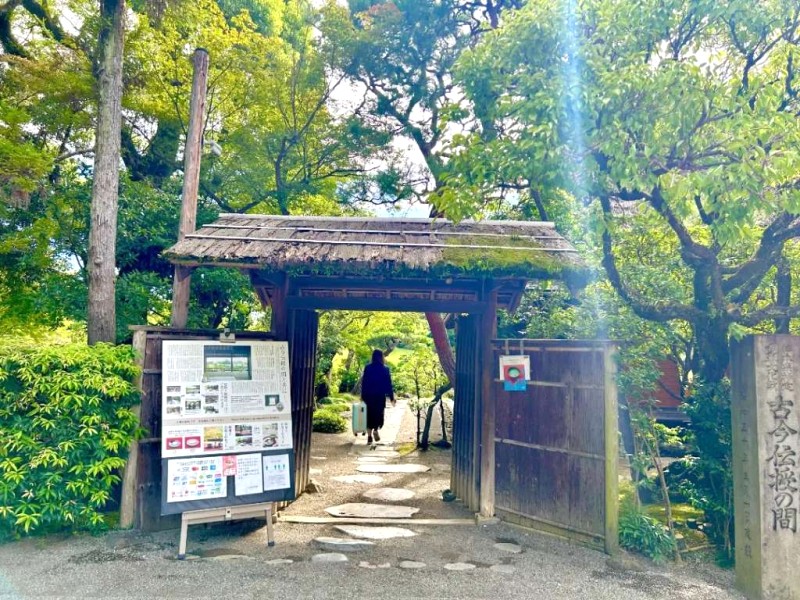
[(668, 394)]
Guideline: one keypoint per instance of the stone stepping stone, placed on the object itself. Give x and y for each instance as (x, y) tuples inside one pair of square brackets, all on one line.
[(382, 453), (315, 471), (372, 511), (370, 479), (342, 544), (393, 468), (389, 494), (368, 565), (328, 558), (459, 566), (411, 564), (504, 569), (319, 458), (375, 533), (279, 561), (508, 547), (372, 459)]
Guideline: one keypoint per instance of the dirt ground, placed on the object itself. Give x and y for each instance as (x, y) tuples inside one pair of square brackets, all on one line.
[(232, 560)]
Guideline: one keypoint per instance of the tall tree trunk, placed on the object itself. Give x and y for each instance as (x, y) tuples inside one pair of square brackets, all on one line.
[(101, 316), (441, 341), (712, 348), (783, 279)]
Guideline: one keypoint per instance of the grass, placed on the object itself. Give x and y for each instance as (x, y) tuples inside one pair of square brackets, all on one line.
[(397, 356), (680, 512)]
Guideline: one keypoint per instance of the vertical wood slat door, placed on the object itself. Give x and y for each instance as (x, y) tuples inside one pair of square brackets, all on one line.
[(556, 443), (303, 326), (465, 467)]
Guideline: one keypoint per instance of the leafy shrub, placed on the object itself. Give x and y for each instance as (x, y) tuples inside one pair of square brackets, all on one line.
[(348, 381), (65, 427), (709, 480), (328, 421), (336, 405), (643, 534)]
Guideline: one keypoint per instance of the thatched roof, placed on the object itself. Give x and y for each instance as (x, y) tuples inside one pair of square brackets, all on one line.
[(345, 246)]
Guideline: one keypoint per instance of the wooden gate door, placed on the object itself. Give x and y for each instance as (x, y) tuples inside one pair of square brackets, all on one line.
[(556, 443), (303, 355), (465, 469)]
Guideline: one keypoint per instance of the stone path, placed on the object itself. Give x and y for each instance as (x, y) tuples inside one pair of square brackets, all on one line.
[(372, 511), (389, 494)]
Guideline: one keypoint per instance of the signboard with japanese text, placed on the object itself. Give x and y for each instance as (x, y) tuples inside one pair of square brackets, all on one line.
[(226, 417)]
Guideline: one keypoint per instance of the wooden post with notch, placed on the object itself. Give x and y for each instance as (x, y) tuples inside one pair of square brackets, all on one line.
[(191, 183), (488, 331), (611, 435)]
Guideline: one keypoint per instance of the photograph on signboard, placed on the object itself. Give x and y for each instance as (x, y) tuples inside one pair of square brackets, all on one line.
[(224, 397), (226, 362)]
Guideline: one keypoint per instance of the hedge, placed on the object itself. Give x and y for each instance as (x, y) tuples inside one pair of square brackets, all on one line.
[(65, 427), (328, 421)]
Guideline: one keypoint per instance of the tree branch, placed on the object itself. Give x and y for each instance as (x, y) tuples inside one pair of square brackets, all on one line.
[(652, 312)]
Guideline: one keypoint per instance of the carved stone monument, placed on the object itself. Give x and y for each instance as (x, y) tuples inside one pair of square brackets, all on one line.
[(765, 410)]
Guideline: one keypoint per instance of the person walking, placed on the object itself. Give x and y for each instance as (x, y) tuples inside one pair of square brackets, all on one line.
[(376, 385)]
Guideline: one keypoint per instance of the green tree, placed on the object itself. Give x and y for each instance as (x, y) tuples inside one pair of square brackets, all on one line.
[(676, 124)]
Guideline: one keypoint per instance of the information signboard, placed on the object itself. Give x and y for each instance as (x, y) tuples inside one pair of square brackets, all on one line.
[(226, 434)]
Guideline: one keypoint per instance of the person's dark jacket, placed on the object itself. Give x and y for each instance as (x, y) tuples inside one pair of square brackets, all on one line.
[(377, 383)]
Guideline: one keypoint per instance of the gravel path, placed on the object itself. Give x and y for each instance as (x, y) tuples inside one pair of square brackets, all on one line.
[(233, 561)]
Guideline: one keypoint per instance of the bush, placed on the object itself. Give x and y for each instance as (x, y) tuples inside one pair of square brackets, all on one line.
[(709, 480), (348, 381), (336, 405), (643, 534), (328, 421), (65, 428)]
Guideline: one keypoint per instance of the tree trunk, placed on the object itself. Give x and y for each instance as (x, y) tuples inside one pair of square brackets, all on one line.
[(783, 280), (442, 343), (711, 336), (101, 317), (423, 444)]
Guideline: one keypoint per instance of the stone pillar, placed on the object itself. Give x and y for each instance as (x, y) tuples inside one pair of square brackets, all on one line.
[(765, 413)]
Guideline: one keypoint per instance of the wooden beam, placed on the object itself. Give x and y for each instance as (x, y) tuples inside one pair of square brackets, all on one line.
[(280, 310), (301, 519), (386, 304), (128, 501), (393, 283), (611, 427), (191, 183), (488, 331)]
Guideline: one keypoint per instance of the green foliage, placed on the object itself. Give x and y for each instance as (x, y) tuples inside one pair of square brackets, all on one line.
[(348, 380), (334, 404), (326, 420), (65, 427), (641, 533), (677, 164), (709, 479)]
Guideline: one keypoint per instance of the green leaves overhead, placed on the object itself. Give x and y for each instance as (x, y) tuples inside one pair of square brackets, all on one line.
[(677, 119)]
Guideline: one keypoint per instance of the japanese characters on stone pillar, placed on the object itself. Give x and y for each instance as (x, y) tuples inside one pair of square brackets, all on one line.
[(766, 441)]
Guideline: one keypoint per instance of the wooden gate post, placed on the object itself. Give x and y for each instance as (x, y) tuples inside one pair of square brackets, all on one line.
[(611, 435), (488, 331), (127, 505)]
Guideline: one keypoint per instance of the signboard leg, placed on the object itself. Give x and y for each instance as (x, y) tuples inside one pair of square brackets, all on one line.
[(270, 530), (184, 535)]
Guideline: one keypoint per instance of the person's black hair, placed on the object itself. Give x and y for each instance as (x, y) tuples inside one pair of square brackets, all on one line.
[(377, 356)]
